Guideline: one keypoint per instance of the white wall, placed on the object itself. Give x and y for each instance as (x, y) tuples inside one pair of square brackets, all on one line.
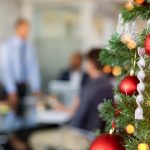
[(9, 12)]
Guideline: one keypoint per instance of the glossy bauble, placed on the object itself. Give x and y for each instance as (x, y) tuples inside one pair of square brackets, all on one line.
[(116, 71), (108, 142), (147, 45), (129, 6), (107, 69), (128, 85), (143, 146), (140, 2), (130, 129)]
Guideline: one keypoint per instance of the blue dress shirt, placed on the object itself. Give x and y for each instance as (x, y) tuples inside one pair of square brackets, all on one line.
[(14, 70)]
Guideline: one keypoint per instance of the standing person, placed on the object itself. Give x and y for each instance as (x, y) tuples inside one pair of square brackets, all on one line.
[(19, 65), (19, 70), (86, 118)]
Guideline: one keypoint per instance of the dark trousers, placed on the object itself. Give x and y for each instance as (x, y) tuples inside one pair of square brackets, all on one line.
[(3, 93), (21, 91)]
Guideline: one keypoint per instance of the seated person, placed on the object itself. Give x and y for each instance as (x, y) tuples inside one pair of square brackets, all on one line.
[(74, 72), (86, 118)]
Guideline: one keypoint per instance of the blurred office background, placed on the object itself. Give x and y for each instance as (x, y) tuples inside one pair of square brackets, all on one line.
[(60, 27)]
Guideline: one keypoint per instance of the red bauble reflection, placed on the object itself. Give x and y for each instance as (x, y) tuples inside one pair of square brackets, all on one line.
[(147, 45), (128, 85), (107, 142)]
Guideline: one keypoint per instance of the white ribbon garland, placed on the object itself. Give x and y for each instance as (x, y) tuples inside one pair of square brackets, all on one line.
[(140, 86), (120, 24), (126, 28), (148, 23)]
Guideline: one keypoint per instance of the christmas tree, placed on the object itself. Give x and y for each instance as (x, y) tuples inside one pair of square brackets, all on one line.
[(128, 54)]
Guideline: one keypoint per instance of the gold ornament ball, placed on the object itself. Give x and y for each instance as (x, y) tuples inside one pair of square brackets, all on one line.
[(148, 103), (116, 71), (143, 146), (128, 40), (107, 69), (139, 1), (129, 6), (132, 45), (130, 129)]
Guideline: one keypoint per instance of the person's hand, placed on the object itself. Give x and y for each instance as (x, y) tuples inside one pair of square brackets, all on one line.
[(13, 101), (58, 106), (37, 94)]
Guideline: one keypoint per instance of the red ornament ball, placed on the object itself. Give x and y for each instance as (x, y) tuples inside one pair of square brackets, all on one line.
[(147, 44), (108, 142), (128, 85)]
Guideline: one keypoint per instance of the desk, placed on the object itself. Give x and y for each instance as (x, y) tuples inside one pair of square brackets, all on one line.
[(52, 117), (33, 117)]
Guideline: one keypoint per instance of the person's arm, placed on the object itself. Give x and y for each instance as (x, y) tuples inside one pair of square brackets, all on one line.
[(7, 77), (58, 106), (81, 114), (33, 71), (74, 106)]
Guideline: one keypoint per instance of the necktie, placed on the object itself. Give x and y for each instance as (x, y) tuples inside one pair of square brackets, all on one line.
[(23, 61)]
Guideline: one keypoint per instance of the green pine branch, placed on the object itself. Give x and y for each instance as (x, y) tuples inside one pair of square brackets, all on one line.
[(142, 36), (139, 12), (107, 112), (117, 54)]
